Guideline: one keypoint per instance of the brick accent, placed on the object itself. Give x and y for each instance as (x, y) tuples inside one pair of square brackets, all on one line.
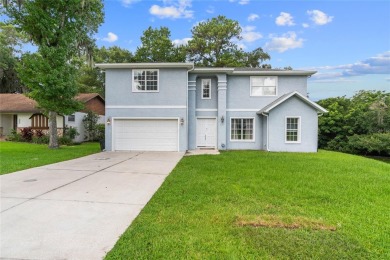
[(96, 105)]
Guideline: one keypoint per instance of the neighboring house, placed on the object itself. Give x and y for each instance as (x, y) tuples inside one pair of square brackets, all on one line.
[(176, 107), (92, 102), (18, 111)]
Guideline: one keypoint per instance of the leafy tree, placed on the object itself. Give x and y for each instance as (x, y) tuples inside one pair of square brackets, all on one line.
[(92, 79), (214, 43), (10, 51), (62, 30), (156, 46), (365, 114), (90, 122)]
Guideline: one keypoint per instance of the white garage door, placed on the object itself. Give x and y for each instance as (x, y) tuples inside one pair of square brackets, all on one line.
[(146, 134)]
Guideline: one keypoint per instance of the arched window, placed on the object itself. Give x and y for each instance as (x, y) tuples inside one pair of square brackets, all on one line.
[(39, 121)]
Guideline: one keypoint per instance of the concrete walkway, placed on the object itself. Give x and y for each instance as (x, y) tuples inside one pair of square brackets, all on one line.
[(77, 209)]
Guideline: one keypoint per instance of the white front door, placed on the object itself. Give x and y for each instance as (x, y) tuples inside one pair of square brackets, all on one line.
[(206, 132)]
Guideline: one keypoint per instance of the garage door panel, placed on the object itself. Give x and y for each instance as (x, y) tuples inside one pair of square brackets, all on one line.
[(146, 135)]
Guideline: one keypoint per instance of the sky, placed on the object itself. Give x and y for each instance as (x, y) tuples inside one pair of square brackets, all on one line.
[(347, 42)]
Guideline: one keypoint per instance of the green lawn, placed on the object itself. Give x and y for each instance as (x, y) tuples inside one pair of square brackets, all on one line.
[(251, 205), (19, 156)]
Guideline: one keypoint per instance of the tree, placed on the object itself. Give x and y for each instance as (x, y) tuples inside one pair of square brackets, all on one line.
[(156, 46), (214, 43), (92, 79), (10, 51), (62, 30)]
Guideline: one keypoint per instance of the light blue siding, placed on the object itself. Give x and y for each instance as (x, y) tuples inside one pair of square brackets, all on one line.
[(293, 107)]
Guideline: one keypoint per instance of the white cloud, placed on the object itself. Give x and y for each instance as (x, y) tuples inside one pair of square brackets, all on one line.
[(284, 19), (241, 46), (210, 10), (111, 37), (319, 17), (175, 9), (127, 3), (249, 34), (284, 42), (379, 64), (183, 41), (305, 25), (241, 2), (253, 17)]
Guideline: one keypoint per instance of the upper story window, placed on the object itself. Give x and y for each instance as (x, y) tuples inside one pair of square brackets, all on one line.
[(145, 80), (293, 131), (264, 86), (206, 88)]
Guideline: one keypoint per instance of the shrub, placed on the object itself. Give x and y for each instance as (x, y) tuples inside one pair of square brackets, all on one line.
[(373, 144), (90, 126), (71, 132), (44, 139), (100, 128), (27, 134), (39, 133), (65, 140), (14, 136)]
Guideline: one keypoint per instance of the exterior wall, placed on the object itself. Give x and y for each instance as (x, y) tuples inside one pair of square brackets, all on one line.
[(212, 103), (25, 121), (256, 144), (169, 102), (238, 94), (309, 127), (78, 124), (6, 124), (95, 105)]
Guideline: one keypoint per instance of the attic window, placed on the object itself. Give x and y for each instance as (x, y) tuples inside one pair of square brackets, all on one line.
[(264, 86)]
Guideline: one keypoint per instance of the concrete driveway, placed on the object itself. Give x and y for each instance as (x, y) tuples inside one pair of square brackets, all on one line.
[(77, 209)]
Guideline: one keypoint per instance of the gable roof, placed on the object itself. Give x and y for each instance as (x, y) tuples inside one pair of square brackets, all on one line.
[(287, 96), (19, 103)]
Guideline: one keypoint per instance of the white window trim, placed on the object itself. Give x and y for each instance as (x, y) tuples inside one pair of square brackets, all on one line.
[(299, 130), (135, 90), (242, 141), (250, 86), (204, 80)]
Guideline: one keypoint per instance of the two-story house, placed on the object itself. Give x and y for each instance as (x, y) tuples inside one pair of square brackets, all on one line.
[(178, 107)]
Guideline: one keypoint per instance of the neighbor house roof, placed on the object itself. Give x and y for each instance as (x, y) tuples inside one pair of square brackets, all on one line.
[(19, 103), (287, 96)]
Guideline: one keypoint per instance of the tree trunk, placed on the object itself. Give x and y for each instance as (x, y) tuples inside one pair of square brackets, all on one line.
[(53, 143)]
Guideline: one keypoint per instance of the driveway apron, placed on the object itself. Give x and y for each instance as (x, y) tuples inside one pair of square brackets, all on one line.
[(77, 209)]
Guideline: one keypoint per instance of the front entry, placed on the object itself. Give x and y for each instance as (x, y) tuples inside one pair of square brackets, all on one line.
[(206, 132)]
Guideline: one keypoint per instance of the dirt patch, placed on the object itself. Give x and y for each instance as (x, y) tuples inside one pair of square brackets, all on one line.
[(287, 222)]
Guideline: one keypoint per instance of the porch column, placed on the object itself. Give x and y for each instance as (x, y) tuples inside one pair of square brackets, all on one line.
[(222, 123), (191, 111)]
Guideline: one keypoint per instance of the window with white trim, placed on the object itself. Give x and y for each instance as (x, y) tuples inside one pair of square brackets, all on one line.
[(241, 129), (71, 118), (292, 130), (145, 80), (206, 88), (264, 86)]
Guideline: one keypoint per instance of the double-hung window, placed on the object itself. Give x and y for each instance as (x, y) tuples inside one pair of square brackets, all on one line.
[(264, 86), (293, 134), (242, 129), (206, 88), (145, 80)]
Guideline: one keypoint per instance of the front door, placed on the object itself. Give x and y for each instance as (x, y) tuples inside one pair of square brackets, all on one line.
[(206, 132)]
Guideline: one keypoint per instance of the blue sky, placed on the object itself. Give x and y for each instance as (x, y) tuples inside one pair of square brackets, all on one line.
[(347, 42)]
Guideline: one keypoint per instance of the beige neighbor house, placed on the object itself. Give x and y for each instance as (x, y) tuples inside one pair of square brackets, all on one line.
[(18, 111)]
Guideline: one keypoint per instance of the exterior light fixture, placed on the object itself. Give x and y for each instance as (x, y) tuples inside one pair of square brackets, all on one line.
[(222, 119), (182, 121), (108, 121)]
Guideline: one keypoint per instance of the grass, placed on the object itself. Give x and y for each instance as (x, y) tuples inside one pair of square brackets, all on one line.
[(19, 156), (259, 205)]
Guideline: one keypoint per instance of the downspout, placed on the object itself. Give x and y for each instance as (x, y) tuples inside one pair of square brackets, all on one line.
[(188, 141), (267, 139)]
